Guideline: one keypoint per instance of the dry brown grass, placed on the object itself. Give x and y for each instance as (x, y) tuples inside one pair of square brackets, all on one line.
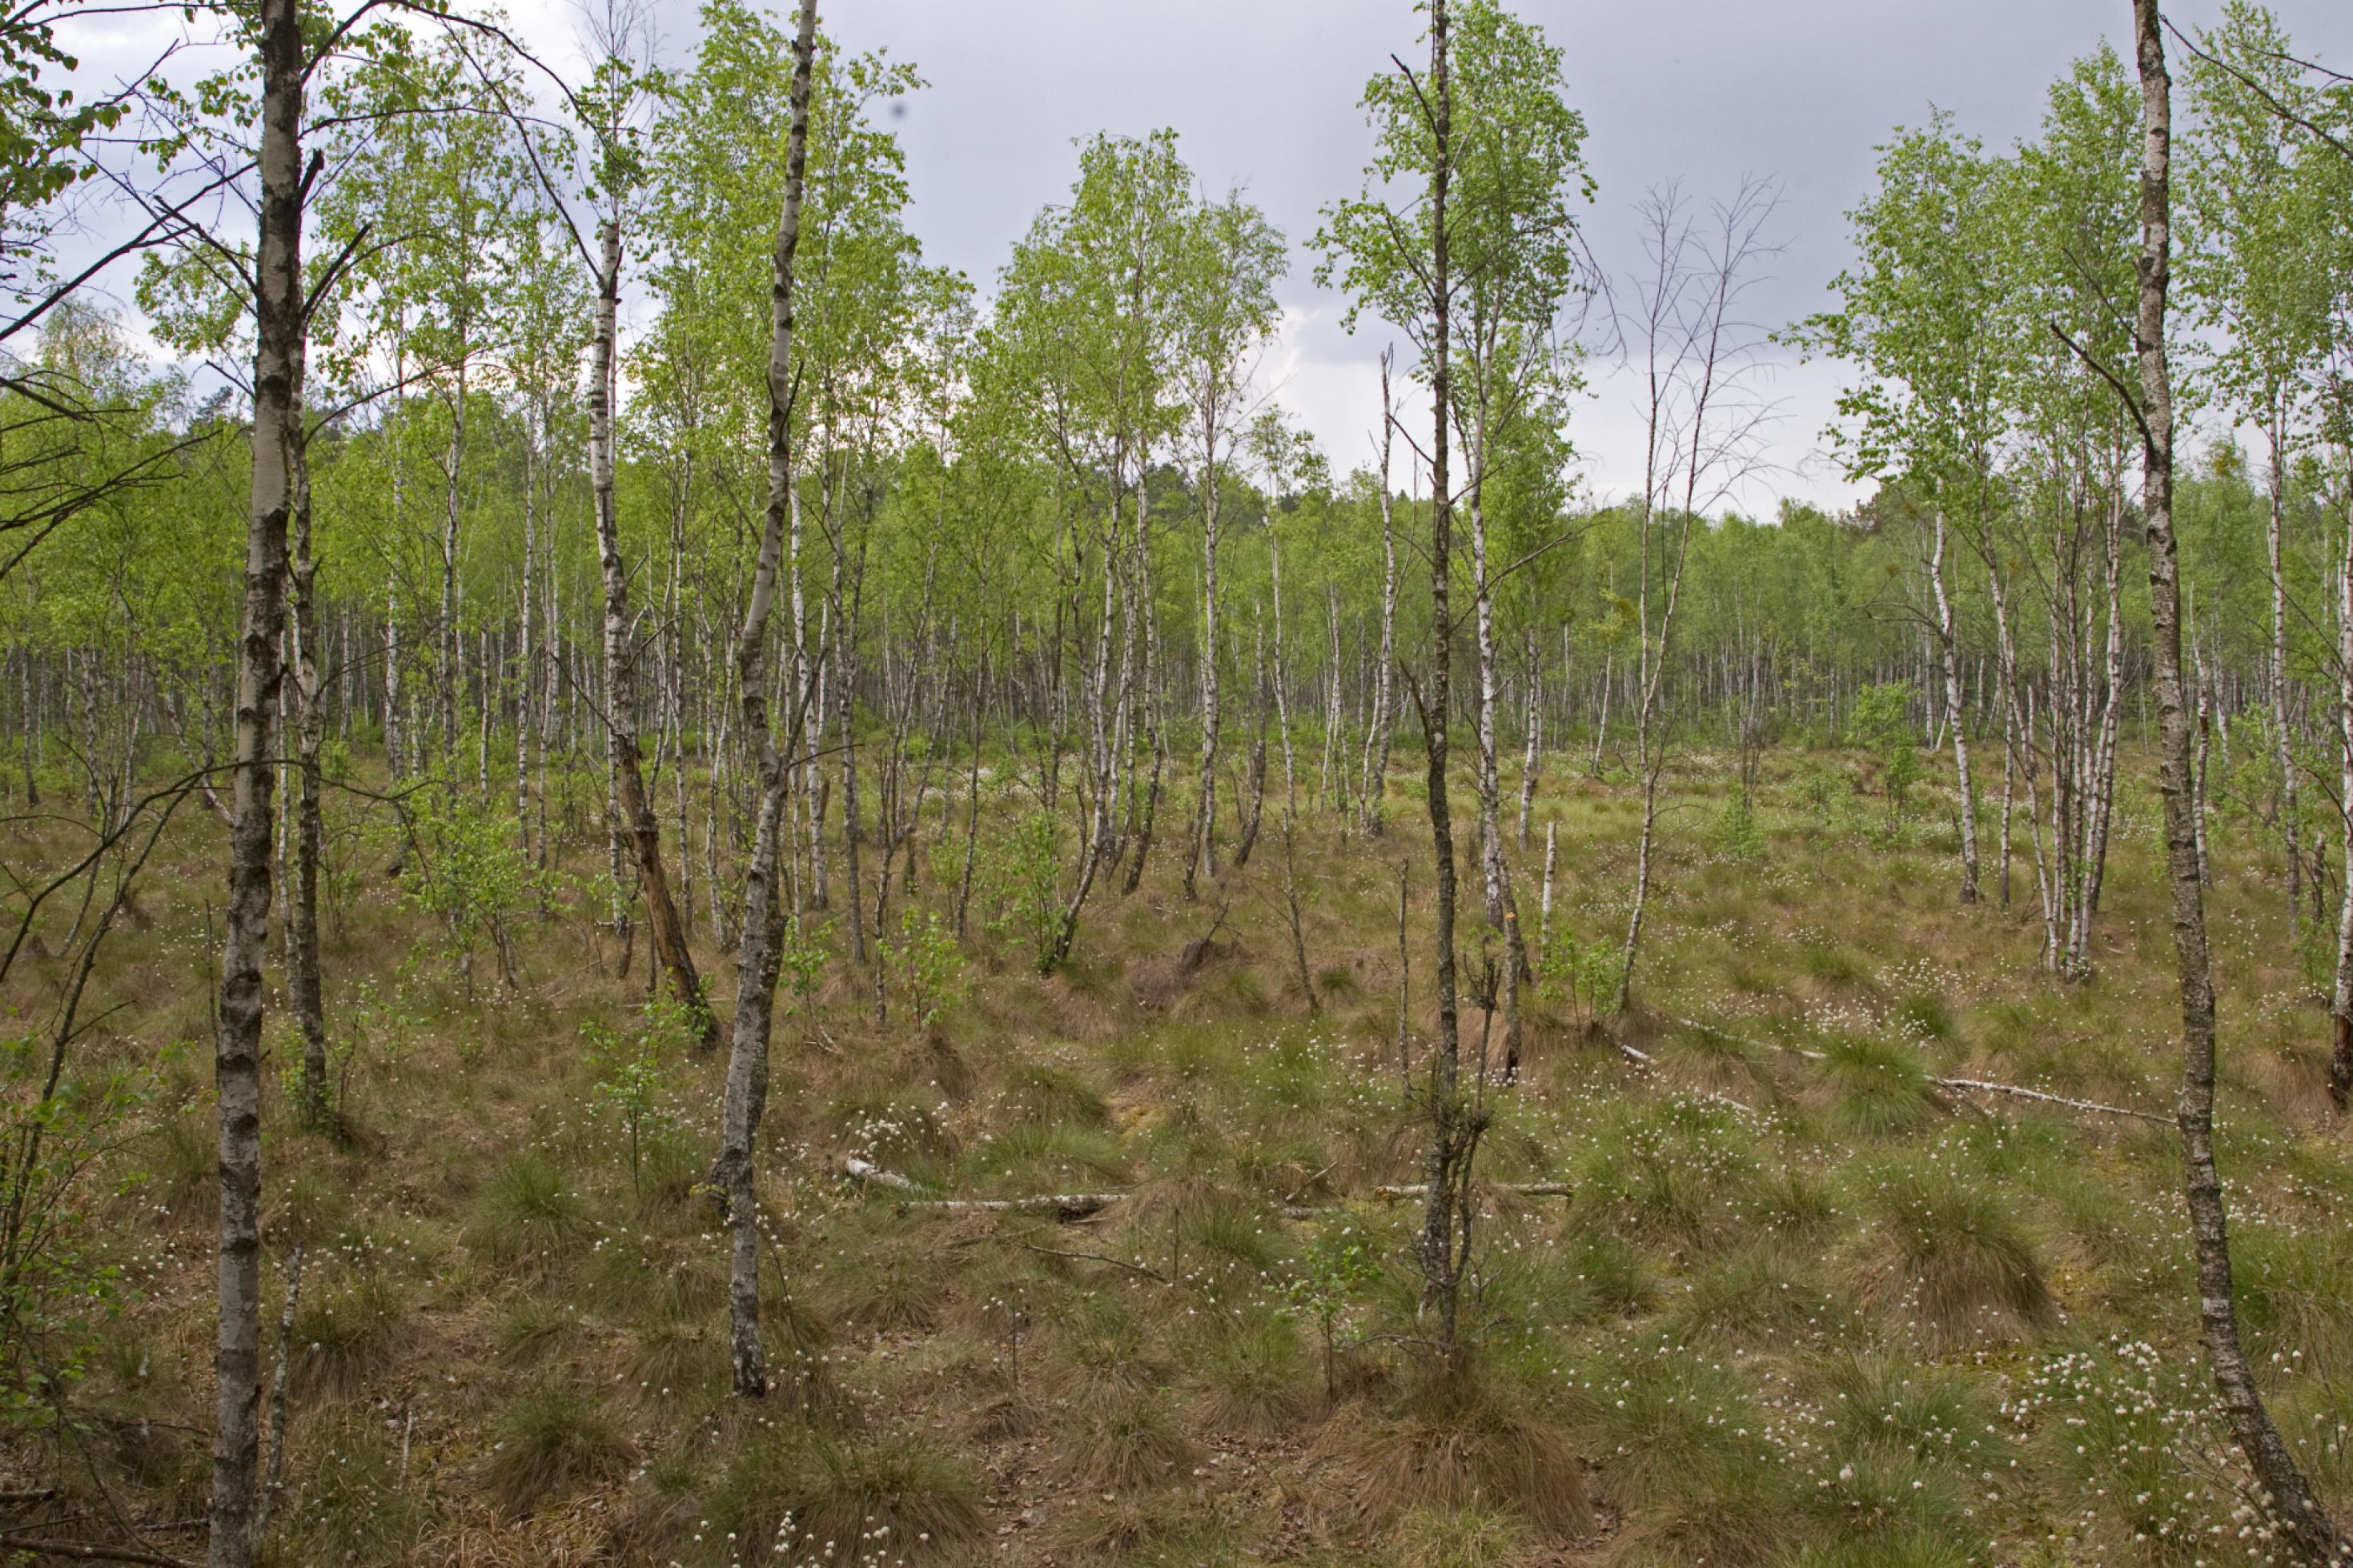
[(1449, 1442)]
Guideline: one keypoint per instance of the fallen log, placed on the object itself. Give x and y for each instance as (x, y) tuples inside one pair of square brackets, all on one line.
[(1983, 1086), (1959, 1085), (1525, 1189), (1080, 1206), (1069, 1205)]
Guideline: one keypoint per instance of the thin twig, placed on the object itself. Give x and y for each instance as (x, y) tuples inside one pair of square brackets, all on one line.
[(79, 1552)]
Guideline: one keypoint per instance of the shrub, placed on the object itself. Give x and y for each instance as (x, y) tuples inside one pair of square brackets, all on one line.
[(1338, 1264), (1014, 884), (1584, 975), (933, 974), (1880, 723), (465, 868), (634, 1070)]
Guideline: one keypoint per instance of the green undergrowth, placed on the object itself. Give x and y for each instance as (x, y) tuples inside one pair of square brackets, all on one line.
[(1802, 1303)]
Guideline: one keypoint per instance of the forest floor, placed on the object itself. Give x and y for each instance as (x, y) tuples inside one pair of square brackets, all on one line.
[(1802, 1303)]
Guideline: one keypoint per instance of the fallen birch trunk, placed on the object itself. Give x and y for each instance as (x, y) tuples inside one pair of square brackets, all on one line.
[(1070, 1206), (1080, 1205), (1959, 1085)]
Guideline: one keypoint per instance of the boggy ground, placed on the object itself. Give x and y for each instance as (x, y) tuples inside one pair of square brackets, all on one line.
[(1800, 1309)]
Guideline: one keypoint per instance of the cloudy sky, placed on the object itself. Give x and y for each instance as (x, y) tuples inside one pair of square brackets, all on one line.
[(1262, 94)]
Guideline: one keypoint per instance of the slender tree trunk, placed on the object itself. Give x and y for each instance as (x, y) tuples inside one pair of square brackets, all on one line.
[(1601, 723), (633, 808), (972, 796), (844, 613), (1446, 1220), (2305, 1530), (1490, 810), (278, 368), (449, 650), (525, 653), (1282, 683), (2341, 1056), (732, 1173), (1378, 736), (1254, 811), (395, 751), (1533, 738), (1203, 861), (1148, 682), (1953, 711), (304, 988), (2275, 524)]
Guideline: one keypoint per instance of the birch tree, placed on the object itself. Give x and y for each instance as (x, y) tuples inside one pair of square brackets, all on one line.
[(733, 1173), (1924, 316), (2305, 1530)]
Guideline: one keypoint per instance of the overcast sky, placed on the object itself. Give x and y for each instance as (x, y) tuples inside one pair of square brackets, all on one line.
[(1262, 95)]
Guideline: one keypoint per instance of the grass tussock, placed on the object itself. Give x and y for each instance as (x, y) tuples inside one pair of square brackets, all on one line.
[(1878, 1088), (1253, 1377), (793, 1490), (1450, 1442), (552, 1441), (343, 1339), (1951, 1262), (529, 1212), (1459, 1538)]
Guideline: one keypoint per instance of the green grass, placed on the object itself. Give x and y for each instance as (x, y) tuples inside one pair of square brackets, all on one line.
[(799, 1488), (1850, 1321), (344, 1337), (530, 1211), (551, 1441), (1878, 1087), (1950, 1261)]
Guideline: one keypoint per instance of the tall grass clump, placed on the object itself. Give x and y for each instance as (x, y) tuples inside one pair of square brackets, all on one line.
[(528, 1212), (1952, 1258)]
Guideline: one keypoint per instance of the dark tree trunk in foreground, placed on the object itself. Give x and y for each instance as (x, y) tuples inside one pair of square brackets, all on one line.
[(237, 1062), (2304, 1529), (1453, 1128)]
